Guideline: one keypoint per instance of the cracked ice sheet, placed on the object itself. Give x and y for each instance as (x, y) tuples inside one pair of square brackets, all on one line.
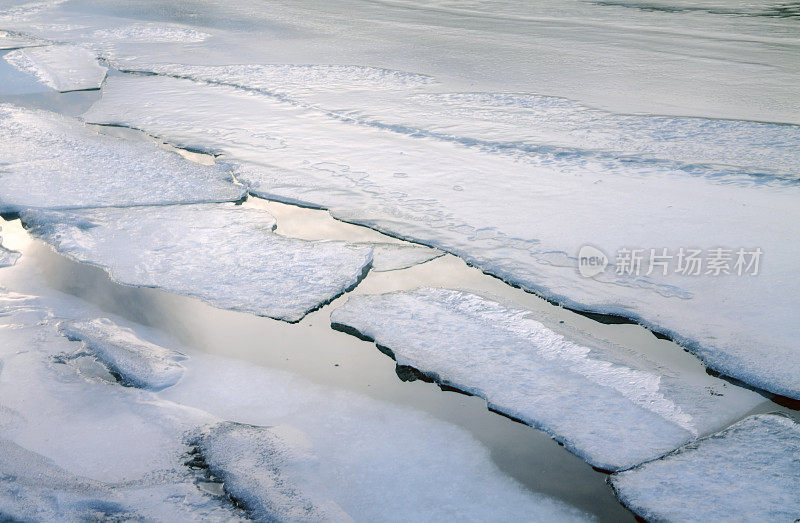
[(329, 452), (61, 67), (607, 405), (748, 471), (223, 254), (55, 162), (522, 222)]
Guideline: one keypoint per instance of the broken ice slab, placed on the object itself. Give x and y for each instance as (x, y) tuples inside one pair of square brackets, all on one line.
[(250, 461), (522, 221), (607, 404), (749, 471), (14, 40), (61, 67), (135, 362), (396, 256), (223, 254), (55, 162)]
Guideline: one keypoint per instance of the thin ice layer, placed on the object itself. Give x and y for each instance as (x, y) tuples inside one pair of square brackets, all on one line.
[(54, 162), (142, 445), (221, 253), (60, 67), (396, 256), (611, 407), (749, 471), (248, 459), (138, 363), (522, 221)]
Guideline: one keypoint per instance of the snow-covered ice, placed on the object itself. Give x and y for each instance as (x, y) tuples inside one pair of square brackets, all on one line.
[(61, 67), (749, 471), (7, 256), (525, 219), (611, 407), (152, 33), (138, 363), (396, 256), (249, 460), (55, 162), (305, 449), (224, 254)]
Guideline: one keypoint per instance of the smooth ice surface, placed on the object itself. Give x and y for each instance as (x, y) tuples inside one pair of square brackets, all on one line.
[(249, 460), (137, 450), (610, 406), (392, 257), (749, 471), (55, 162), (223, 254), (138, 363), (524, 217), (12, 40), (61, 67)]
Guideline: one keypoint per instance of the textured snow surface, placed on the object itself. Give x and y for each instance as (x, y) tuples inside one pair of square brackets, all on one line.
[(249, 460), (524, 219), (221, 253), (749, 471), (393, 256), (54, 162), (138, 363), (611, 407), (130, 453), (61, 67), (12, 40), (150, 33), (7, 256)]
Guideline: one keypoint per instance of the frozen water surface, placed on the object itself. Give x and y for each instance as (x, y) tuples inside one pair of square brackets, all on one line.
[(138, 363), (55, 162), (608, 405), (12, 40), (223, 254), (748, 471), (153, 455), (61, 67), (522, 221)]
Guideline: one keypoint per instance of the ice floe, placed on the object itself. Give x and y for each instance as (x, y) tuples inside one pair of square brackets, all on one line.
[(520, 221), (138, 363), (223, 254), (275, 443), (611, 407), (396, 256), (61, 67), (14, 40), (54, 162), (749, 471)]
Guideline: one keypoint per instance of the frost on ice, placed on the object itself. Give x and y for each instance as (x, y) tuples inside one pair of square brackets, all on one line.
[(138, 363), (750, 469), (611, 407), (54, 162), (465, 197), (60, 67), (132, 453), (221, 253), (249, 460)]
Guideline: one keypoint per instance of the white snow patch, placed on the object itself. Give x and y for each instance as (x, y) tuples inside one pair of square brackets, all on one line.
[(60, 67), (221, 253), (137, 362), (55, 162), (613, 408), (748, 471)]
